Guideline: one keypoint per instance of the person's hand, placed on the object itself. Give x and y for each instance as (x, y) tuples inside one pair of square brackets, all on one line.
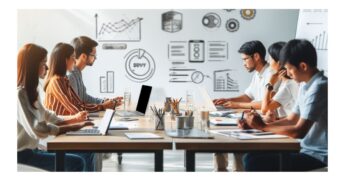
[(230, 105), (255, 121), (270, 116), (78, 126), (118, 101), (220, 101), (274, 78), (87, 123), (81, 116), (109, 104), (242, 124), (282, 73)]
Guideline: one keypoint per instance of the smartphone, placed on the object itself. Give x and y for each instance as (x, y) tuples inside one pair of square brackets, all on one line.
[(196, 51)]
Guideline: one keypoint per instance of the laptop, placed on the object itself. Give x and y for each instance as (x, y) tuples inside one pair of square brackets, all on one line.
[(101, 130), (208, 103), (143, 101)]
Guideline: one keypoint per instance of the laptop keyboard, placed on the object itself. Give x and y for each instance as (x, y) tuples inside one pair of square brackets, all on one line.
[(85, 132)]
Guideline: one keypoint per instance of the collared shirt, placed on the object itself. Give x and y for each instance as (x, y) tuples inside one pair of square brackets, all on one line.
[(33, 124), (312, 105), (286, 96), (76, 82), (256, 90)]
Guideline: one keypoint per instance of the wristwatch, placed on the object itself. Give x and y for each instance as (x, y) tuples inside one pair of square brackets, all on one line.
[(269, 86)]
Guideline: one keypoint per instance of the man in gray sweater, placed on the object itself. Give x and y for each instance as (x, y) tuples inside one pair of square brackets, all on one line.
[(85, 51)]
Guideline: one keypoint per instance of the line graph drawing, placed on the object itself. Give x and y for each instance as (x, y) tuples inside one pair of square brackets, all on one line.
[(121, 30)]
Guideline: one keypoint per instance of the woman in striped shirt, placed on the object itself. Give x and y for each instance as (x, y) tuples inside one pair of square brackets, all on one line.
[(60, 96)]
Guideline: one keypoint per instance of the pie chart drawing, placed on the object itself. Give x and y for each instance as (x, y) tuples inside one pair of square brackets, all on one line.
[(140, 65)]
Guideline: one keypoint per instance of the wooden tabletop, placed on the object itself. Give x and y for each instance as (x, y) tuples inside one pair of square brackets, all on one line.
[(116, 140)]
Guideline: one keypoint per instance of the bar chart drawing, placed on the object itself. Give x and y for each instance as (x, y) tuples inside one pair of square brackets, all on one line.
[(106, 83), (223, 81), (124, 30), (320, 41)]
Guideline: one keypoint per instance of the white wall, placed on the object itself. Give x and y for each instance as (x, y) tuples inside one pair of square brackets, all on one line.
[(48, 27), (313, 26)]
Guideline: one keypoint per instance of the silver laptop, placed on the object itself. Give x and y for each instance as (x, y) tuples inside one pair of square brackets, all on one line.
[(143, 101), (101, 130), (208, 103)]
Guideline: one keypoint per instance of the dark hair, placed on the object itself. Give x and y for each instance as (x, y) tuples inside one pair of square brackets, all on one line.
[(57, 62), (297, 51), (251, 47), (274, 50), (83, 44), (28, 63)]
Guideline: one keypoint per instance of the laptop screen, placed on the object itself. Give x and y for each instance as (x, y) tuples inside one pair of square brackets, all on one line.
[(106, 120), (144, 98)]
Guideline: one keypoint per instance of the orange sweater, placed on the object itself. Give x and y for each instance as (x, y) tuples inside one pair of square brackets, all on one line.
[(61, 98)]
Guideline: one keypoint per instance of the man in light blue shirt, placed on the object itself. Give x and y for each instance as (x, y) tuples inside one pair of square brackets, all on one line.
[(308, 121)]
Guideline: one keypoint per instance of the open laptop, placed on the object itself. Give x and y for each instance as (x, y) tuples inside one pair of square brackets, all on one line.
[(143, 101), (208, 103), (101, 130)]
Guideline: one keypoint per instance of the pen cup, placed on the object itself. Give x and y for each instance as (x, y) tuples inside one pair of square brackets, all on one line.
[(159, 123), (184, 122)]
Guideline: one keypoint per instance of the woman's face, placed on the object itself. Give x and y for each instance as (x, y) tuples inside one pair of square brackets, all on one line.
[(42, 71), (70, 62), (274, 65)]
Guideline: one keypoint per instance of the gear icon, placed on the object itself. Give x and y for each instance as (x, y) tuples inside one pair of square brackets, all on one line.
[(248, 14), (232, 25)]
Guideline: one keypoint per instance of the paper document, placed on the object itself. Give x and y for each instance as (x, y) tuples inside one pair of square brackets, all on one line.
[(123, 125), (223, 121), (249, 134), (143, 136)]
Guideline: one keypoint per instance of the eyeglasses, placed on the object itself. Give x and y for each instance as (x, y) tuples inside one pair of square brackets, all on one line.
[(94, 55)]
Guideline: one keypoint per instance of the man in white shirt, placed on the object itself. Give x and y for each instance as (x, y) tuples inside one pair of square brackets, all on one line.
[(253, 55)]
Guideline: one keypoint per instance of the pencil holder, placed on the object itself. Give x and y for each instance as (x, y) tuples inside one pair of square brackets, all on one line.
[(159, 123)]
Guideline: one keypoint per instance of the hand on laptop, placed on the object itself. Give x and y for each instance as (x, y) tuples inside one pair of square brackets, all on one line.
[(81, 116), (230, 105), (220, 101)]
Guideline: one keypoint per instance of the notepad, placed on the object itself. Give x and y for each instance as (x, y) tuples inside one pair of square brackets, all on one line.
[(143, 136)]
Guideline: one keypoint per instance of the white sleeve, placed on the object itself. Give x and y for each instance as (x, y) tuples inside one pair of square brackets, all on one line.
[(283, 96), (33, 125), (249, 90)]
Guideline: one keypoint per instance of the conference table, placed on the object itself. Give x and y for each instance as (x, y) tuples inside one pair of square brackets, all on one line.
[(116, 141)]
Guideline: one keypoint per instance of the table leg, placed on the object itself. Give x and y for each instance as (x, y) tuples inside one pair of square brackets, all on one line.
[(190, 161), (158, 161)]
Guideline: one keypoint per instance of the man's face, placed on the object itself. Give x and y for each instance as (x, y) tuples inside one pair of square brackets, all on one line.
[(294, 72), (91, 58), (248, 62)]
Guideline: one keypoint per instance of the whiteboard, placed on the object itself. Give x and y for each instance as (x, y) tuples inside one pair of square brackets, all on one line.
[(313, 26)]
